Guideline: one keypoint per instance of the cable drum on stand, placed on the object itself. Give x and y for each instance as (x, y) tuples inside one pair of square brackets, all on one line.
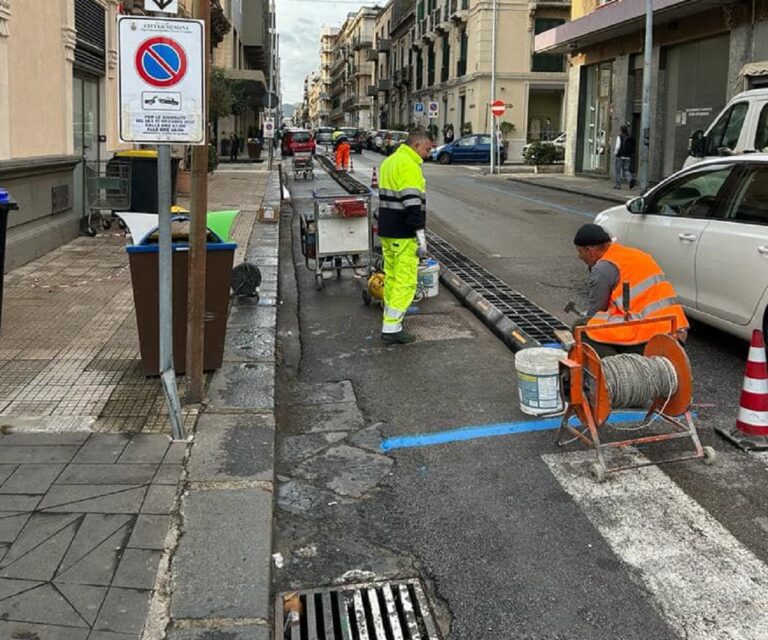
[(637, 381)]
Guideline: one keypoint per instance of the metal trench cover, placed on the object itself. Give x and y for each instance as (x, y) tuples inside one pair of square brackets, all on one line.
[(394, 610)]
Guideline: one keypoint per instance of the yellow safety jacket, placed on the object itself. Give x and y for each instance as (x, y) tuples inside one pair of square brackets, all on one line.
[(402, 194), (651, 295)]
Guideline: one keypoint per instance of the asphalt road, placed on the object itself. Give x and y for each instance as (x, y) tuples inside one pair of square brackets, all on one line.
[(508, 533)]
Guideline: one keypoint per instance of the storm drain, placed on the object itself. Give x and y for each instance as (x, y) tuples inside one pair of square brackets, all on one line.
[(396, 610), (517, 320)]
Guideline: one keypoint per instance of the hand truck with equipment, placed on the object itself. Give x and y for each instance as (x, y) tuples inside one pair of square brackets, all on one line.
[(337, 235), (303, 165)]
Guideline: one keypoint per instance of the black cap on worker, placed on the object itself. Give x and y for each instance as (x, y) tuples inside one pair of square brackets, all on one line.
[(591, 235)]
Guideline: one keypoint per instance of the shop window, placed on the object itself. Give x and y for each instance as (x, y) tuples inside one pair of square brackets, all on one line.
[(725, 134)]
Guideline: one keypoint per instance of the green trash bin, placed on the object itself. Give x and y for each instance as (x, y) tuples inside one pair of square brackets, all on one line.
[(144, 178), (143, 260)]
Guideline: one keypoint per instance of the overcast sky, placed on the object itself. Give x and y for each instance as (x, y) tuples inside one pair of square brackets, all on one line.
[(299, 23)]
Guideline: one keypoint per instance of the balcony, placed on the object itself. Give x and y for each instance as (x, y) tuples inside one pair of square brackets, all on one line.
[(459, 11), (371, 55), (384, 84), (348, 103), (415, 41), (461, 68), (372, 91), (362, 42), (384, 45)]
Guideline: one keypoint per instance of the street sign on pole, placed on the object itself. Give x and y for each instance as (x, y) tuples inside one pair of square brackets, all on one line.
[(498, 107), (163, 6), (432, 109), (269, 127), (418, 108), (161, 80)]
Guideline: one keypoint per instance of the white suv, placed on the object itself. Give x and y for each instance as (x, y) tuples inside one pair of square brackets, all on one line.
[(707, 226)]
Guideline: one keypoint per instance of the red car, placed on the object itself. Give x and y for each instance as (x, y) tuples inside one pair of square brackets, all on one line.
[(297, 140)]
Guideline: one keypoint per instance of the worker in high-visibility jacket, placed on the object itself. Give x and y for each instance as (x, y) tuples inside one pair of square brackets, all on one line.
[(651, 295), (402, 221)]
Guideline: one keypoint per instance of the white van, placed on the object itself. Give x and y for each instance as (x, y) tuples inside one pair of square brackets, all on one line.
[(741, 127)]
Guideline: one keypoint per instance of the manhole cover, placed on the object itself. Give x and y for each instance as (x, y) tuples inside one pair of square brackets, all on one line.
[(438, 326), (395, 610)]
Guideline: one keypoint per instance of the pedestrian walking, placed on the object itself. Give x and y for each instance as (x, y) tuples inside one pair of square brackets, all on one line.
[(611, 266), (402, 230), (448, 134), (234, 146), (623, 150)]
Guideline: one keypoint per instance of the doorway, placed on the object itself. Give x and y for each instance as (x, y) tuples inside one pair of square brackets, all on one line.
[(87, 130)]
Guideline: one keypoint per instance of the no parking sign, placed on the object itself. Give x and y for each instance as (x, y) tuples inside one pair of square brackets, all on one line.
[(161, 80)]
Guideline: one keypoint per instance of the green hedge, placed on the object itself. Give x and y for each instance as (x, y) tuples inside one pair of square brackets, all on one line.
[(543, 153)]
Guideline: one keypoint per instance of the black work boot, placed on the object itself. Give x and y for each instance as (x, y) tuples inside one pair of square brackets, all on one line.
[(401, 337)]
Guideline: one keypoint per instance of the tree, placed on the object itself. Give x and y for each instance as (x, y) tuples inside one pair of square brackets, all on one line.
[(220, 25)]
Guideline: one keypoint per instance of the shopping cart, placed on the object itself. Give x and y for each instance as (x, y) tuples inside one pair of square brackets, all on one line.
[(303, 165), (336, 235), (109, 189)]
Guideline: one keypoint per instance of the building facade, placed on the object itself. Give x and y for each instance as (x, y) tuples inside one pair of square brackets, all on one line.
[(352, 71), (703, 54), (380, 55)]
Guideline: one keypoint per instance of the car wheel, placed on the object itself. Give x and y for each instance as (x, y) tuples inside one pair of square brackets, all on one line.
[(444, 158)]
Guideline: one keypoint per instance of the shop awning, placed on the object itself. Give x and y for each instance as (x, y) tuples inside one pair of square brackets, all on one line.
[(617, 19)]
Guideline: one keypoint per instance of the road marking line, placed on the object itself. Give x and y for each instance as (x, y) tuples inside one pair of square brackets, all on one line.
[(706, 583), (504, 429)]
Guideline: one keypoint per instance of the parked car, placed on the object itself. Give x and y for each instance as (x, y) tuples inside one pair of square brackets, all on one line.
[(392, 141), (323, 135), (354, 137), (471, 148), (741, 127), (558, 141), (378, 139), (297, 140), (707, 226)]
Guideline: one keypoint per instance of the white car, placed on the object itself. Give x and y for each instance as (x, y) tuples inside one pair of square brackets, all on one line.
[(707, 226), (559, 141)]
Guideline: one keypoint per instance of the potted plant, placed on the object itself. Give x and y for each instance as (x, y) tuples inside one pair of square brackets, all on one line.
[(255, 144), (506, 128)]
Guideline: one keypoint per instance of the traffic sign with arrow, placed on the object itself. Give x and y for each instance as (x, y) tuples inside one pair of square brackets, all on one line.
[(164, 6)]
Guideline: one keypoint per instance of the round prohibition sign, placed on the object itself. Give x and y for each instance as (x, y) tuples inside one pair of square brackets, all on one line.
[(161, 62)]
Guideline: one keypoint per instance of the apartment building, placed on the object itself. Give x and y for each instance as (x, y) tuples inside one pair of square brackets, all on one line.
[(704, 52), (400, 109), (379, 54), (327, 41), (451, 62), (352, 71), (59, 106)]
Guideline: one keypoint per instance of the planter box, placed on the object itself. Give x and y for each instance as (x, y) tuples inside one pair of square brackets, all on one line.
[(184, 182), (254, 150), (549, 168)]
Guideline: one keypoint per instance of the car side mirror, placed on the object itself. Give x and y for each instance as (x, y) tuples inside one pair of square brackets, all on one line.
[(637, 205), (697, 144)]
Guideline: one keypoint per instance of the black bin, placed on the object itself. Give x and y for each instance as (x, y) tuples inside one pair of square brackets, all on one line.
[(6, 205), (143, 260), (144, 178)]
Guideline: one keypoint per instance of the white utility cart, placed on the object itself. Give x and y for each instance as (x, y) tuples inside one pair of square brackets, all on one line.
[(337, 234)]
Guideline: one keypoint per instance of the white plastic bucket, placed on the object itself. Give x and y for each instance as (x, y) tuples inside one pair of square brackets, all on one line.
[(538, 383), (429, 278)]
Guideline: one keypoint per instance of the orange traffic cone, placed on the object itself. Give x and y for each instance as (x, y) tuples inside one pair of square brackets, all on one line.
[(751, 430), (753, 407), (374, 179)]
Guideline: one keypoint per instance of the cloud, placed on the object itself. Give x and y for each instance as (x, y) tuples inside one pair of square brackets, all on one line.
[(299, 23)]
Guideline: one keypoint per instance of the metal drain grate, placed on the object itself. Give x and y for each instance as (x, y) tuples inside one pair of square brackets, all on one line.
[(522, 322), (396, 610), (350, 184)]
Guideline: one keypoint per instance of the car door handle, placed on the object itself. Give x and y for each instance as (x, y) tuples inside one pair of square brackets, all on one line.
[(763, 249), (687, 237)]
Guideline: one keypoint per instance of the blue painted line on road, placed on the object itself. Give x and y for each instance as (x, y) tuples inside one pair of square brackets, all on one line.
[(489, 431), (541, 201)]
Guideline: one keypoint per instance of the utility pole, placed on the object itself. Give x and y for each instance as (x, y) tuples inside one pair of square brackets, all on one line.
[(645, 118), (197, 237), (493, 89), (270, 110)]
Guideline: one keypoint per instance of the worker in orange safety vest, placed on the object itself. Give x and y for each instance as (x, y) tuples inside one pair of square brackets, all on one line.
[(614, 268)]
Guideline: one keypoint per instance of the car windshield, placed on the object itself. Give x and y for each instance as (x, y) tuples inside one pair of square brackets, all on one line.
[(302, 136), (350, 132)]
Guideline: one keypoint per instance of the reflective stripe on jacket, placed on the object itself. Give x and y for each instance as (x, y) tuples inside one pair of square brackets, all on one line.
[(651, 295), (402, 194)]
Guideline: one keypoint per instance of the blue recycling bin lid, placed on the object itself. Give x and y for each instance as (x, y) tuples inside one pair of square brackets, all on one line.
[(144, 245), (4, 196)]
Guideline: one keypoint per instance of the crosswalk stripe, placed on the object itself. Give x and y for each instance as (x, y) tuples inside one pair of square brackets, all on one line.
[(706, 583)]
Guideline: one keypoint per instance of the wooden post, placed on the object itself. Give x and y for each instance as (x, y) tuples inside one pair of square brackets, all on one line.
[(197, 237)]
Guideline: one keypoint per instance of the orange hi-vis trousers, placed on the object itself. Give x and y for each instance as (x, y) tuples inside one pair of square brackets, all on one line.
[(342, 156)]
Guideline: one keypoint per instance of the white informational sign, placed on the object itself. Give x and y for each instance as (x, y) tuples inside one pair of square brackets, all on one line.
[(418, 108), (161, 80), (269, 127), (165, 6), (433, 109)]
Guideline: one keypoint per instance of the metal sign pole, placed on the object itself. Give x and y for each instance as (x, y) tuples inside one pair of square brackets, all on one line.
[(493, 88), (645, 117), (165, 290)]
